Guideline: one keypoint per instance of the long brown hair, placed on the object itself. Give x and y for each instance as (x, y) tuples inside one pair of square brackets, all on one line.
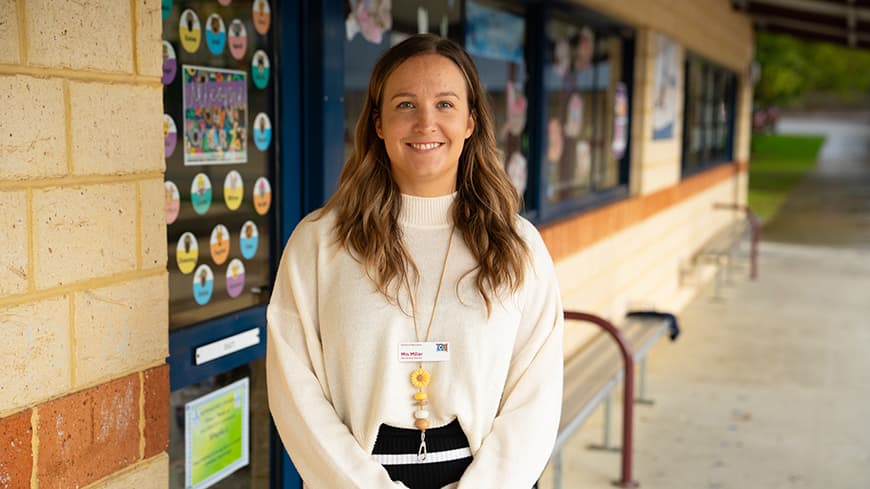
[(368, 200)]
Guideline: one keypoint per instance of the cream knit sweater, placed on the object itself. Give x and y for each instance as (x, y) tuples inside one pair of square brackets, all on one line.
[(332, 361)]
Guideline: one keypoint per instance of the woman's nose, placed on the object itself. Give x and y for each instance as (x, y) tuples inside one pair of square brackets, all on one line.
[(424, 120)]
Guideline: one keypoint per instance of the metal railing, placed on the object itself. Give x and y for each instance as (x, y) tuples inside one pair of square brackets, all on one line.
[(628, 391), (754, 230)]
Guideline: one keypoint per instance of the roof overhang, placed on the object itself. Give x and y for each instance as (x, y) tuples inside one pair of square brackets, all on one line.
[(838, 21)]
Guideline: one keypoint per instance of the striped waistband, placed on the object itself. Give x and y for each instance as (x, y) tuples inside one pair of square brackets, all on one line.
[(399, 446), (413, 458)]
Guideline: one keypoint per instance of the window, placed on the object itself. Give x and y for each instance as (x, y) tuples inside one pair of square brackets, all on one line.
[(586, 87), (709, 115), (495, 39), (372, 27)]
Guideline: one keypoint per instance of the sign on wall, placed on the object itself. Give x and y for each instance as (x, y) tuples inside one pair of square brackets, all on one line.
[(216, 434)]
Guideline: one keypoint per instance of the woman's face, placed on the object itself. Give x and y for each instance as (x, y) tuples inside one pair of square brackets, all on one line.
[(424, 120)]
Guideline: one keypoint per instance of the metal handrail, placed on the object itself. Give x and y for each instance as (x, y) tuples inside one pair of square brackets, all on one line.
[(628, 390), (755, 227)]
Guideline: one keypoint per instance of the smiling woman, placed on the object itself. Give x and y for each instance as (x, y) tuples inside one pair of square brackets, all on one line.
[(424, 122), (416, 323)]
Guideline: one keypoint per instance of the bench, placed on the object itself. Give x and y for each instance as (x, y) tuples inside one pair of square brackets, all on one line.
[(593, 372), (726, 246)]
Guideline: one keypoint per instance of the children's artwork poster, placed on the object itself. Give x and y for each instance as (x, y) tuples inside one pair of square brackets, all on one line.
[(215, 116), (664, 87)]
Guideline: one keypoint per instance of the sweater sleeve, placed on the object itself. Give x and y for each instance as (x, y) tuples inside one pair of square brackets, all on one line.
[(515, 452), (320, 445)]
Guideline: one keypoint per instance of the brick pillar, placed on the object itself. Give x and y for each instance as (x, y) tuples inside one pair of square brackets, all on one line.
[(84, 390)]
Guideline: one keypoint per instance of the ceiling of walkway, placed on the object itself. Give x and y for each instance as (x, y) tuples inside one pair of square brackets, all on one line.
[(839, 21)]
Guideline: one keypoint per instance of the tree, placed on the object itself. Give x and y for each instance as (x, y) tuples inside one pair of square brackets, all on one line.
[(792, 68)]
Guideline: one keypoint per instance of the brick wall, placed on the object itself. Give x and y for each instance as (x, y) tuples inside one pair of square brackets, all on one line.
[(83, 286)]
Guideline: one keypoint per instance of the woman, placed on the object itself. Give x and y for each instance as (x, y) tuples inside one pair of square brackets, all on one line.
[(415, 329)]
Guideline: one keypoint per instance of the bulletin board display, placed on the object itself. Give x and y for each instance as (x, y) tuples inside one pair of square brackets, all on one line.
[(218, 124)]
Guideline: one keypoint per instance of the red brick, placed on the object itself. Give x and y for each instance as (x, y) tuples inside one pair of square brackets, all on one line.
[(88, 435), (16, 456), (156, 390)]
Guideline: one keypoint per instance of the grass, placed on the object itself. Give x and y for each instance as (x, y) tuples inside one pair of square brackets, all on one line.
[(778, 163)]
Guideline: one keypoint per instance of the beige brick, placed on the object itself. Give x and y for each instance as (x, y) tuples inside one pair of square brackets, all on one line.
[(86, 34), (152, 207), (150, 474), (35, 357), (116, 129), (149, 35), (657, 177), (121, 328), (32, 141), (83, 232), (9, 33), (13, 252)]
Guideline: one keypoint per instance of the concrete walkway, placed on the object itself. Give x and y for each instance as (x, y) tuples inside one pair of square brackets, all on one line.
[(769, 388)]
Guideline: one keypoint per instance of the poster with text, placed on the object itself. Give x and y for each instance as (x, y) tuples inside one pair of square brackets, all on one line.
[(216, 435), (215, 116), (664, 87)]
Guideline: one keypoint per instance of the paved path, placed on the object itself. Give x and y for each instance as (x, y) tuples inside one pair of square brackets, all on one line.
[(832, 205), (769, 388)]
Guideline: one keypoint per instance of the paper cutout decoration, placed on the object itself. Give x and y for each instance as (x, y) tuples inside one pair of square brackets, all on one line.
[(262, 16), (260, 69), (235, 278), (215, 34), (200, 193), (170, 135), (203, 284), (170, 63), (189, 31), (238, 39), (371, 18), (248, 239), (517, 171), (219, 244), (516, 110), (262, 131), (186, 252), (172, 201), (262, 196), (234, 190)]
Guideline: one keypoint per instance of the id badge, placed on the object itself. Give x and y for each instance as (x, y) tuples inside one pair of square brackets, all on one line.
[(424, 351)]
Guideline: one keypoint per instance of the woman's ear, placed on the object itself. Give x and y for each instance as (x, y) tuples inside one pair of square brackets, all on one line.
[(377, 120), (471, 121)]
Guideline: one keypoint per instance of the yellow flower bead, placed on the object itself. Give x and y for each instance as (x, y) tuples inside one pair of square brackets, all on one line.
[(420, 378), (420, 396)]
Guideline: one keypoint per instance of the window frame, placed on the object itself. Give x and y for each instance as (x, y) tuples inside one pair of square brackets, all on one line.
[(710, 69), (542, 211)]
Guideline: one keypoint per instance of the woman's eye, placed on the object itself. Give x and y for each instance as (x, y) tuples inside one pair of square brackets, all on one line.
[(444, 105), (405, 105)]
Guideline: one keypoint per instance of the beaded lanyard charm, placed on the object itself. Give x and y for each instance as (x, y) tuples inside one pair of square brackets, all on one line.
[(420, 377)]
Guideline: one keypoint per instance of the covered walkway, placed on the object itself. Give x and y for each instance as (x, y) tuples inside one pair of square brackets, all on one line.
[(767, 388)]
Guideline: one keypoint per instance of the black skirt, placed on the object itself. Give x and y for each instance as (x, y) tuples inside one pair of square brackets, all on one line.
[(447, 456)]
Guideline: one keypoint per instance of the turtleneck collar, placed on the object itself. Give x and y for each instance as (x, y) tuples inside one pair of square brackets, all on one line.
[(426, 211)]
